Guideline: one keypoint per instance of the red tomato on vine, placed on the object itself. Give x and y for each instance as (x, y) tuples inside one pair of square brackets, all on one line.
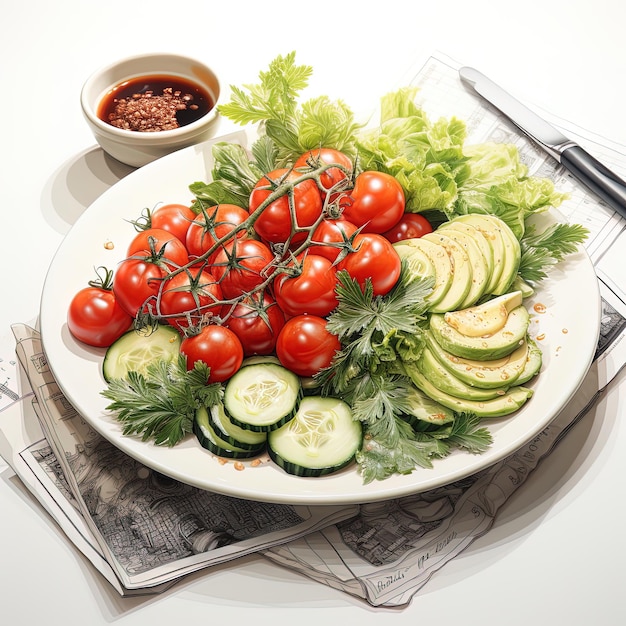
[(410, 226), (174, 218), (136, 281), (310, 290), (275, 223), (94, 315), (211, 225), (331, 177), (216, 346), (166, 247), (376, 203), (330, 237), (189, 297), (305, 346), (241, 266), (374, 258), (256, 320)]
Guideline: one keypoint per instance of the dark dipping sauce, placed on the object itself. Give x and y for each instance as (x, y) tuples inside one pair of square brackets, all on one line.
[(154, 103)]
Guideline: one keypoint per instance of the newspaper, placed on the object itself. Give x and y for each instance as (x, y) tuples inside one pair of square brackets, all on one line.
[(383, 552), (149, 529), (390, 550)]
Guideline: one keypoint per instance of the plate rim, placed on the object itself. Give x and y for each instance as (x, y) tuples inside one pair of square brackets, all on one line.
[(369, 493)]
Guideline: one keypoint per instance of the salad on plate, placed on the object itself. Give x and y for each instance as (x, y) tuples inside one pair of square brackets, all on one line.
[(337, 294)]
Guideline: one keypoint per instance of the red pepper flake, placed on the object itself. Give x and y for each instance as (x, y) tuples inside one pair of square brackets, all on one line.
[(147, 112), (154, 103)]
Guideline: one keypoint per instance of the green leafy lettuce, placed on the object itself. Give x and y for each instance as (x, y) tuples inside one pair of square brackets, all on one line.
[(438, 171)]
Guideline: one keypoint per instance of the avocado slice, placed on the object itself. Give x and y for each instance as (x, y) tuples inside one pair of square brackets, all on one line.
[(505, 404), (479, 239), (488, 347), (506, 249), (414, 251), (422, 408), (533, 364), (461, 272), (480, 269), (445, 381), (512, 259), (493, 237), (486, 318), (496, 373)]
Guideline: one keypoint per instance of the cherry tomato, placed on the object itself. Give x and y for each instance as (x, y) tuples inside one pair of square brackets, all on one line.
[(257, 320), (312, 290), (334, 232), (168, 248), (275, 224), (374, 258), (305, 346), (410, 226), (216, 346), (95, 318), (174, 218), (136, 281), (241, 265), (213, 224), (326, 156), (189, 297), (376, 203)]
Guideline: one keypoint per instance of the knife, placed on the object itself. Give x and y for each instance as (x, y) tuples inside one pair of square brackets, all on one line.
[(587, 169)]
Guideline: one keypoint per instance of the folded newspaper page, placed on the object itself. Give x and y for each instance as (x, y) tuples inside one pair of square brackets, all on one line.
[(149, 528), (390, 550)]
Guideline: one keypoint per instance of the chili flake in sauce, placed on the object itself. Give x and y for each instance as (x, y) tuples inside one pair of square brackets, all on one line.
[(154, 103)]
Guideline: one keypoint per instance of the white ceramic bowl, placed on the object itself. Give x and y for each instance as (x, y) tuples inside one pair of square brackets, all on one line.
[(136, 148)]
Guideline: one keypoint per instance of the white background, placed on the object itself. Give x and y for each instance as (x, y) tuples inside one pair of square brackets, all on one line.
[(555, 553)]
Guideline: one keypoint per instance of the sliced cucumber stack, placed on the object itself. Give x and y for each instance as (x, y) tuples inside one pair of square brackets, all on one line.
[(321, 438), (136, 349), (233, 434), (212, 441)]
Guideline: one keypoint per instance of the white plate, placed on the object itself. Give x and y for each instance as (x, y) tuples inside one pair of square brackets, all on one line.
[(567, 333)]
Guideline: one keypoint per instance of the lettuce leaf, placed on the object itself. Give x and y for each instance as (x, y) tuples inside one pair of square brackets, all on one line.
[(427, 158), (498, 183), (439, 171)]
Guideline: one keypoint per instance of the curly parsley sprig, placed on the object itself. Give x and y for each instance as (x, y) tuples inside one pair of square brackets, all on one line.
[(374, 330), (161, 404)]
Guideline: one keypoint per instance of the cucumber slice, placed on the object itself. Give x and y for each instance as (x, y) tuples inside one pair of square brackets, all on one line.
[(262, 396), (321, 439), (210, 440), (231, 433), (136, 349)]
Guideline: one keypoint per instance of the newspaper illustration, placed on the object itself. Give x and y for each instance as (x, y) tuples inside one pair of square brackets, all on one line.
[(383, 553), (150, 528), (389, 551)]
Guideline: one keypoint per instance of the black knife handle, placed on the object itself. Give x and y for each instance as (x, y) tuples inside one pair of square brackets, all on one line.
[(601, 180)]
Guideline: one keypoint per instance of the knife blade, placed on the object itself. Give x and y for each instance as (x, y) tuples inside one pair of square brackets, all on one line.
[(583, 166)]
